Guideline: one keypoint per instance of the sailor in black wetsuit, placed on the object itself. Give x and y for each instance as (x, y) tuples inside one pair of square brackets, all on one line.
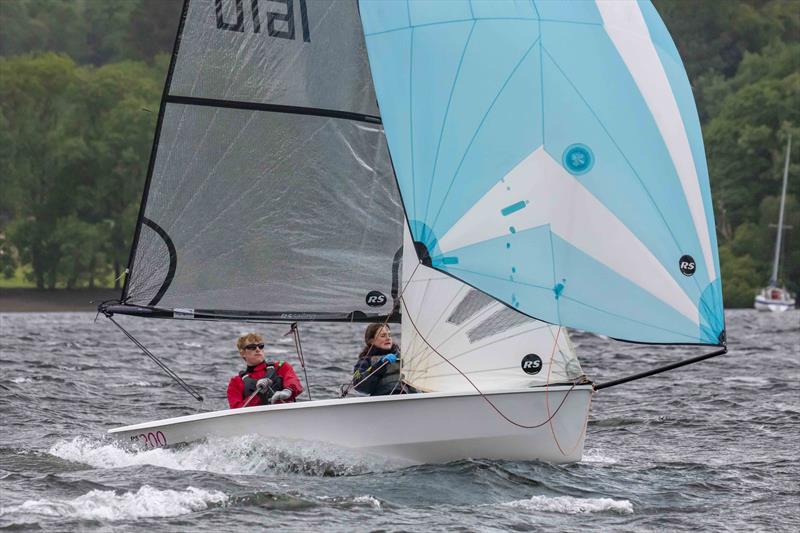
[(377, 371)]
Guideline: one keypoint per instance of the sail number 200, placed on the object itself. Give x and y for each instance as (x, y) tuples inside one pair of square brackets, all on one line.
[(283, 19)]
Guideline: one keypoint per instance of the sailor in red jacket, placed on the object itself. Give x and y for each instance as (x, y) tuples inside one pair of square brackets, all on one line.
[(271, 381)]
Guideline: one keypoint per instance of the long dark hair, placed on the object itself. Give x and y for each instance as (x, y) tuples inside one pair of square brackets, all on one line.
[(370, 349)]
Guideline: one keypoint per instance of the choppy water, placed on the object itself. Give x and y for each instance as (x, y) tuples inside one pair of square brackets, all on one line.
[(711, 447)]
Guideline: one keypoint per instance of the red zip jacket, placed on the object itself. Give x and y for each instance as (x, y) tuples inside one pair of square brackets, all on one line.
[(236, 396)]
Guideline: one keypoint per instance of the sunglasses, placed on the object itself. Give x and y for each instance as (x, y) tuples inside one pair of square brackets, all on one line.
[(260, 346)]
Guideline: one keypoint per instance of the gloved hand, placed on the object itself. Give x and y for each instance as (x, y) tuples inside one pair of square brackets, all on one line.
[(389, 357), (281, 395), (263, 384)]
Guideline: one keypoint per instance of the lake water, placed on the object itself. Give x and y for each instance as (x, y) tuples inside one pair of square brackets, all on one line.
[(710, 447)]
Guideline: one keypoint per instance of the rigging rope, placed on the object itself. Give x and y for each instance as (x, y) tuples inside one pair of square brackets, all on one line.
[(346, 388), (167, 370), (480, 392), (295, 332)]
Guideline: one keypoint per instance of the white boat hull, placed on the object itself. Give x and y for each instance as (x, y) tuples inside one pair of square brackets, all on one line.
[(774, 306), (419, 428), (774, 299)]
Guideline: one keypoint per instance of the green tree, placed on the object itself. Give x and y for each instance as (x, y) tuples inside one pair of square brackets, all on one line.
[(714, 35), (152, 28), (43, 25), (107, 35), (40, 99), (89, 31), (82, 138), (740, 278), (81, 249), (123, 117), (745, 142)]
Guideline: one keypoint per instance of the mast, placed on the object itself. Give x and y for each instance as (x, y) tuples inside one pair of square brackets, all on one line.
[(773, 280)]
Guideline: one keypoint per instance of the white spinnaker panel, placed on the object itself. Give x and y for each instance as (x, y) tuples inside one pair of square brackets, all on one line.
[(446, 321), (625, 25), (623, 253)]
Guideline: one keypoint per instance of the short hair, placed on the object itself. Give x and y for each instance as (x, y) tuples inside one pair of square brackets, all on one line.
[(373, 330), (248, 338)]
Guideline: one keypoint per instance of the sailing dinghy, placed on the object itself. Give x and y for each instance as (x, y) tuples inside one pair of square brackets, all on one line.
[(485, 173)]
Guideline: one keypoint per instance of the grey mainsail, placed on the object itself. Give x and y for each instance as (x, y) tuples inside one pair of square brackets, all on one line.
[(270, 190)]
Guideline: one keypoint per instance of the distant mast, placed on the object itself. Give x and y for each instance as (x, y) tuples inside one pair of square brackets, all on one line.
[(773, 280)]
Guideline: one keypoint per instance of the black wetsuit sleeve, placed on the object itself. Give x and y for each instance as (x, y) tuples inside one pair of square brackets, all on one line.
[(362, 369)]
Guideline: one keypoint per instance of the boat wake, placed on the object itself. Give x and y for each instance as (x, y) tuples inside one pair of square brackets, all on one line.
[(147, 502), (245, 455), (572, 505)]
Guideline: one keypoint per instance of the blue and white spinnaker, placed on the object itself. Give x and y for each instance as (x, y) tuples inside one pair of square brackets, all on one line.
[(550, 155)]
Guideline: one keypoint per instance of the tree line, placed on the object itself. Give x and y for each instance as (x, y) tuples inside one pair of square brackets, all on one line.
[(80, 84)]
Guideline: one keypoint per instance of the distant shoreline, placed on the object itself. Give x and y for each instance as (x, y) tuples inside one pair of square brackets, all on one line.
[(53, 300)]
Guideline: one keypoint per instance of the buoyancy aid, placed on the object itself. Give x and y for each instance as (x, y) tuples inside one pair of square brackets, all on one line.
[(387, 380), (250, 382), (371, 377)]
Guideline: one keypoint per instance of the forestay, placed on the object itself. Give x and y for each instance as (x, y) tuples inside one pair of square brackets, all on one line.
[(550, 155), (271, 190)]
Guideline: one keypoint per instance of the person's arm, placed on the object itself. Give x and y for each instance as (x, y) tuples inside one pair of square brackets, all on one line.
[(364, 367), (235, 391), (290, 381)]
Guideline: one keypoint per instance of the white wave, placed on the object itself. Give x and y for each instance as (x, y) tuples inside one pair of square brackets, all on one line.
[(147, 502), (131, 384), (190, 344), (594, 456), (22, 380), (752, 381), (246, 455), (571, 505), (371, 501)]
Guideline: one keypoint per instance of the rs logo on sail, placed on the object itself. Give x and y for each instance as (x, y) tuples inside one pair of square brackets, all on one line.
[(284, 19), (531, 363), (376, 299), (687, 265)]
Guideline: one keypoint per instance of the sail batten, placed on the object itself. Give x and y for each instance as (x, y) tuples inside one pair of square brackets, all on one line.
[(234, 104), (553, 155)]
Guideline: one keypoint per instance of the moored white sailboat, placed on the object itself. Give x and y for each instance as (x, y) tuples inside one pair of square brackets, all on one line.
[(773, 297), (525, 193)]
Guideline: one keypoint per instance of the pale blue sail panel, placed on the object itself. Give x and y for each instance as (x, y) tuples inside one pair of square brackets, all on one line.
[(568, 119)]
